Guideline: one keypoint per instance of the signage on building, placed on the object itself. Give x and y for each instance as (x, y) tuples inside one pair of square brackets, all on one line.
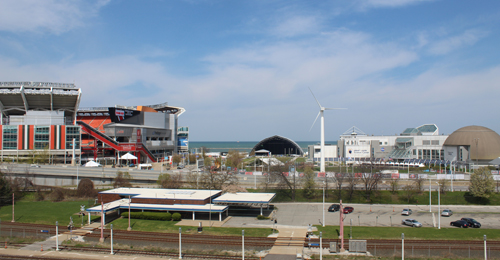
[(117, 114)]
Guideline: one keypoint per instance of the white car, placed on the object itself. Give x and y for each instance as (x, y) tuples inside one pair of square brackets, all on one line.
[(446, 213), (406, 212), (411, 222)]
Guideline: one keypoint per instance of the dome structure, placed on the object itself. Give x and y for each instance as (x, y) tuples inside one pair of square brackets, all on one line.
[(278, 145), (484, 143)]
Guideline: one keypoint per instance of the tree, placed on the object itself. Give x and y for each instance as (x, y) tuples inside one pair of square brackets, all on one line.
[(288, 184), (5, 190), (168, 181), (234, 159), (409, 192), (216, 180), (176, 159), (351, 183), (86, 189), (370, 182), (309, 183), (443, 186), (481, 183), (394, 184), (339, 180), (122, 179), (419, 184)]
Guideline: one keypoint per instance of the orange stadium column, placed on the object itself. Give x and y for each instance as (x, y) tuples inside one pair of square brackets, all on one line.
[(31, 137), (20, 137), (63, 137)]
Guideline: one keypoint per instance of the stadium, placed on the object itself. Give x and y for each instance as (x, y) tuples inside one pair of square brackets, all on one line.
[(42, 118)]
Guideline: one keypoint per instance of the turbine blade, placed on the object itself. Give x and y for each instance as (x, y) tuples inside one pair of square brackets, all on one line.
[(315, 98), (328, 108), (314, 121)]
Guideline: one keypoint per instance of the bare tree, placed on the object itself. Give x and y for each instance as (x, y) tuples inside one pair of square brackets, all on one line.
[(419, 184), (279, 174), (394, 183), (443, 185), (217, 180), (370, 182), (170, 181), (409, 191), (122, 179), (339, 178), (351, 183)]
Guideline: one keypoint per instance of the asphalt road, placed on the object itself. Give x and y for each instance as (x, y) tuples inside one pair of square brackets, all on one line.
[(246, 181)]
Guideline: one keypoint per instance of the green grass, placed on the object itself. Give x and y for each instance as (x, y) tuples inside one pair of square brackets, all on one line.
[(170, 227), (45, 212), (423, 233)]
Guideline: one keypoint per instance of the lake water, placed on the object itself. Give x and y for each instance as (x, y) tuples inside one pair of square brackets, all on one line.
[(242, 146)]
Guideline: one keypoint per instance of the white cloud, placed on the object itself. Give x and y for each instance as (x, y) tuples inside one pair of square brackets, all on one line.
[(53, 16), (296, 26), (388, 3), (467, 38)]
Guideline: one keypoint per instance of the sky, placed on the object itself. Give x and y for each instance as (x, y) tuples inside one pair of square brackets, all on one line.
[(244, 70)]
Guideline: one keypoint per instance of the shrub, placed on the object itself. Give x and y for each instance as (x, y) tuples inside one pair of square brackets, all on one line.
[(148, 215), (86, 189), (176, 216), (261, 217), (57, 195)]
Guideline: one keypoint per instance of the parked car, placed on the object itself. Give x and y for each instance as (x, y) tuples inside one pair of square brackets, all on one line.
[(334, 207), (411, 222), (460, 224), (35, 166), (446, 213), (472, 222), (348, 210), (406, 212)]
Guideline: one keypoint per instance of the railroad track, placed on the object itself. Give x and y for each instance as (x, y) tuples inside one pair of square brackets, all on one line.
[(416, 244), (186, 238), (150, 253)]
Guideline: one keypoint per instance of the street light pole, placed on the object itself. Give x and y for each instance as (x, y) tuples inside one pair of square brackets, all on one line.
[(323, 204), (129, 228), (430, 188), (439, 205)]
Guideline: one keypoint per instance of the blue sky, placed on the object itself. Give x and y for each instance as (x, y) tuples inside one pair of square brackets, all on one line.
[(243, 69)]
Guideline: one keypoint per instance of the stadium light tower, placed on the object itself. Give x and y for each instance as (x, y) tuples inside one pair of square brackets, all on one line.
[(321, 110)]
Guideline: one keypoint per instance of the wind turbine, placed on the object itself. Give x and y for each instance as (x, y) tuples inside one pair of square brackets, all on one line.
[(321, 110)]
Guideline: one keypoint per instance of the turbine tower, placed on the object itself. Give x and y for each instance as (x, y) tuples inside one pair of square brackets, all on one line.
[(321, 110)]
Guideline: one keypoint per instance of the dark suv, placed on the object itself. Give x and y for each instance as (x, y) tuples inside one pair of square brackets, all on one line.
[(334, 207), (472, 222)]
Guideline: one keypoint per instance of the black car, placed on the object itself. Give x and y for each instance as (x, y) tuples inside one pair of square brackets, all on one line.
[(460, 224), (334, 207), (472, 222)]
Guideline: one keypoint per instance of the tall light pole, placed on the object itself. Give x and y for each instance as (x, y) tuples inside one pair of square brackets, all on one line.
[(430, 188), (180, 243), (323, 204), (439, 205), (129, 228)]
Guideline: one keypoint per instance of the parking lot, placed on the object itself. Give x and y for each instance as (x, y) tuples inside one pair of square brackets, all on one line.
[(302, 214)]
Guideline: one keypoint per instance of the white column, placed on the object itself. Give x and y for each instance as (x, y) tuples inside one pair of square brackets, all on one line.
[(220, 216), (193, 215), (89, 218)]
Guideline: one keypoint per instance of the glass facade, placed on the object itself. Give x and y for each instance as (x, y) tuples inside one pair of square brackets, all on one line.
[(72, 132), (42, 137), (9, 137)]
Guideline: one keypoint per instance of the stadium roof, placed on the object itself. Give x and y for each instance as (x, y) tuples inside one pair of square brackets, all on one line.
[(278, 145), (164, 107), (16, 98)]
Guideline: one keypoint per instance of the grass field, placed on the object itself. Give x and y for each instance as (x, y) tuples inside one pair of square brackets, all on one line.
[(410, 233)]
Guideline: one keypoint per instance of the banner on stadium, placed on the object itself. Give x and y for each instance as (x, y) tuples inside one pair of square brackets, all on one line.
[(321, 174), (494, 172), (404, 176), (257, 173)]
